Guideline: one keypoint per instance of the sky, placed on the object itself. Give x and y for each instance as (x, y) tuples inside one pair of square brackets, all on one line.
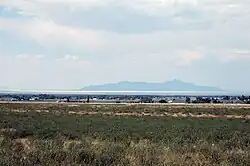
[(69, 44)]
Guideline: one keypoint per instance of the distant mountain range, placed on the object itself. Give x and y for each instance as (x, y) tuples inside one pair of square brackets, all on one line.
[(174, 85)]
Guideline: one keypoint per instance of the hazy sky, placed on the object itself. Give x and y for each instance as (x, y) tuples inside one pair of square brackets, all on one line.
[(59, 44)]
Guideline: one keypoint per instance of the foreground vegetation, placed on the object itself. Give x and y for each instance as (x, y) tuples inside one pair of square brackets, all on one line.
[(57, 138), (217, 109)]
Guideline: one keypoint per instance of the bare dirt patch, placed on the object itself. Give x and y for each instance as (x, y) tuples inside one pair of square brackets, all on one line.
[(180, 114), (27, 145), (153, 114)]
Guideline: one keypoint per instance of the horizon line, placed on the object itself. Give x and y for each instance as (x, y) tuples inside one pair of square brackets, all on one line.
[(16, 91)]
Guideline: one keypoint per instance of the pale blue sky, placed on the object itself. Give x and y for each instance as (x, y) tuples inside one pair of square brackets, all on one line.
[(68, 44)]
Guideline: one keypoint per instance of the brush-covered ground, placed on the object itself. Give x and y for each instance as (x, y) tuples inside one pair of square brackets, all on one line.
[(124, 135)]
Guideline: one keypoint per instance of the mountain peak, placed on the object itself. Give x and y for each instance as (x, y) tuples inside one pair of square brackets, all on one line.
[(175, 81), (124, 82)]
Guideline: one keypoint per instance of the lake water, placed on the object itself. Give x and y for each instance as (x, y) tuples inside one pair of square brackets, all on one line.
[(202, 93)]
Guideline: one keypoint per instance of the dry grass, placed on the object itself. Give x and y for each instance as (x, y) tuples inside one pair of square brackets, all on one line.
[(95, 152), (195, 111), (123, 135)]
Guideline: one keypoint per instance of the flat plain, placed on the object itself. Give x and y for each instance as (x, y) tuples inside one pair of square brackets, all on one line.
[(124, 134)]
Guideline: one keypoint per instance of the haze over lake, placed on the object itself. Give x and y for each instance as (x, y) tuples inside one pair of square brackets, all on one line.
[(68, 92)]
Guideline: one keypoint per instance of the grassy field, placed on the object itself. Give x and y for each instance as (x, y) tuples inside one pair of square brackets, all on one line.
[(49, 134)]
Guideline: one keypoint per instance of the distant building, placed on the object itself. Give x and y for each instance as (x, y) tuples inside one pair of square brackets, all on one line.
[(238, 101), (34, 99), (8, 99), (136, 100), (177, 101), (63, 100), (193, 99)]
